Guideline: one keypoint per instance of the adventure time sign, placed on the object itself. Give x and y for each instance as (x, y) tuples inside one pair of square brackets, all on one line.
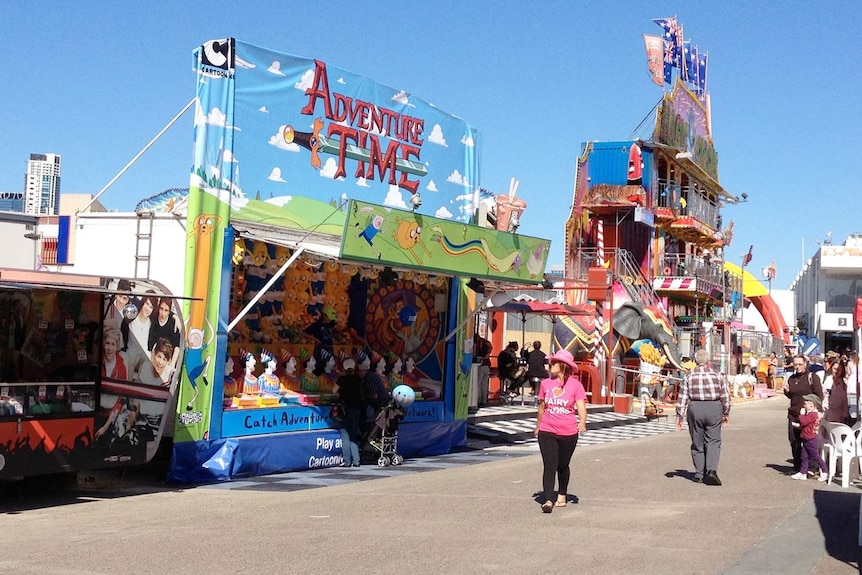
[(305, 130)]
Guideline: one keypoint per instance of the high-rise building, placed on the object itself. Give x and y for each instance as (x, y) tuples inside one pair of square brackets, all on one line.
[(42, 185)]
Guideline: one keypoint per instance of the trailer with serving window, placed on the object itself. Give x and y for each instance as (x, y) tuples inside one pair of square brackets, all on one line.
[(88, 371)]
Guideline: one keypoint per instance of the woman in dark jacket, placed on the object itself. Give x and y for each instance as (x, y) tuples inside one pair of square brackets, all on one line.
[(838, 409)]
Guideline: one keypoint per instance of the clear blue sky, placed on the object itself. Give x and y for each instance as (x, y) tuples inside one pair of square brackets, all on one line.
[(95, 81)]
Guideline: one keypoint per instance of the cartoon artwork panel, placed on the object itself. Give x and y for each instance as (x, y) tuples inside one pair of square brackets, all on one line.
[(384, 235)]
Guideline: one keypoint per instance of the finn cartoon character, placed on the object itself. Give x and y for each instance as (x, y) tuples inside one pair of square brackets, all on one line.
[(372, 230), (196, 365)]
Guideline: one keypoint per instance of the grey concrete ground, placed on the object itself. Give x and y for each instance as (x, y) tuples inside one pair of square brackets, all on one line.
[(638, 512)]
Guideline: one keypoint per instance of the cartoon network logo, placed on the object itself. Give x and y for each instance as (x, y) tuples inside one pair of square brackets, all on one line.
[(219, 56)]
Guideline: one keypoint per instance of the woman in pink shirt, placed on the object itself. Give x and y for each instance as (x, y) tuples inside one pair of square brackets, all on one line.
[(557, 426)]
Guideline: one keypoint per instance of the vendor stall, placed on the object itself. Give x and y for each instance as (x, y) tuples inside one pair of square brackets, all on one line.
[(334, 255)]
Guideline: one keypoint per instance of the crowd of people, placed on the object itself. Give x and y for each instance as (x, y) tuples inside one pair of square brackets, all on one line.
[(817, 389)]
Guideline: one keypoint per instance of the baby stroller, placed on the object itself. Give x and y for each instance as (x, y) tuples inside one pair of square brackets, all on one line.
[(383, 435)]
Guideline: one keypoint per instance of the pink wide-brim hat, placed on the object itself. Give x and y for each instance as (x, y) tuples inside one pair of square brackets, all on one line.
[(564, 356)]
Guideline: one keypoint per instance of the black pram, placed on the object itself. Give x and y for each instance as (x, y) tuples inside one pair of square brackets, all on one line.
[(383, 435)]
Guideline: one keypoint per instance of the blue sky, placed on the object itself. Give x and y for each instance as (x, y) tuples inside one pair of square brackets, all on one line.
[(95, 81)]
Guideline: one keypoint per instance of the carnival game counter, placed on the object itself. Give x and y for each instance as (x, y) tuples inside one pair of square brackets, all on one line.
[(283, 439)]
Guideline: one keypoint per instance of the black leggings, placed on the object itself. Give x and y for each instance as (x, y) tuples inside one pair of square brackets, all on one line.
[(557, 451)]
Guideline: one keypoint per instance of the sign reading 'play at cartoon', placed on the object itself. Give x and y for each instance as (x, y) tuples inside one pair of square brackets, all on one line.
[(301, 128), (407, 239)]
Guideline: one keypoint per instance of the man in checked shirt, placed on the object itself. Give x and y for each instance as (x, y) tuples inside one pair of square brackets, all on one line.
[(704, 391)]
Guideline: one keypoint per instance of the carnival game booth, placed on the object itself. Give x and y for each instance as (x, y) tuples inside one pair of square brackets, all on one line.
[(336, 256)]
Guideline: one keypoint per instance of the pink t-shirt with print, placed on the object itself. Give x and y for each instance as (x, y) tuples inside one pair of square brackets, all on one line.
[(560, 415)]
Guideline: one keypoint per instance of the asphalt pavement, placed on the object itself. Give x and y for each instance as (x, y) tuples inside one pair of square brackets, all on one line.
[(637, 511)]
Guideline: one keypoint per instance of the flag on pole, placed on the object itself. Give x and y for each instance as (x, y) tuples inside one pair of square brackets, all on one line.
[(670, 28), (702, 64), (692, 65), (655, 58), (679, 50), (673, 34), (668, 62), (688, 63), (747, 258)]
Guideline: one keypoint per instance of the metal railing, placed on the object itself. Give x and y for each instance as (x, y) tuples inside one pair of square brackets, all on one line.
[(696, 204), (624, 268), (692, 266), (636, 283)]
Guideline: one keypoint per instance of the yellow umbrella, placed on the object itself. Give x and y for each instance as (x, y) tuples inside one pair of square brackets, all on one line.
[(751, 286)]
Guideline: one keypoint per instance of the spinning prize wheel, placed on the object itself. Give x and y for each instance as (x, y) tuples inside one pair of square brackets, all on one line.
[(401, 319)]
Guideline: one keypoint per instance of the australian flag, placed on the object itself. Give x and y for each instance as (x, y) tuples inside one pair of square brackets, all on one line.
[(672, 34), (695, 65), (668, 62), (702, 63)]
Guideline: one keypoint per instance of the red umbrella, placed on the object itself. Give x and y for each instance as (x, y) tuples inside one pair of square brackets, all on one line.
[(524, 305)]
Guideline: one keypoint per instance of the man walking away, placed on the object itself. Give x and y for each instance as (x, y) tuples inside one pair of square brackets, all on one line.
[(705, 395)]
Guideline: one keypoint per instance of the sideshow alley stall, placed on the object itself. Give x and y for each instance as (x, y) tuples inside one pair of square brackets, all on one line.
[(352, 233)]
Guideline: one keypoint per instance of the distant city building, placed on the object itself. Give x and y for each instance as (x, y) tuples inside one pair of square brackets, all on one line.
[(11, 201), (826, 291), (42, 185)]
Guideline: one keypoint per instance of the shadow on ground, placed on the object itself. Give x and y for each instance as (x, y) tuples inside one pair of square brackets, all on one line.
[(838, 514)]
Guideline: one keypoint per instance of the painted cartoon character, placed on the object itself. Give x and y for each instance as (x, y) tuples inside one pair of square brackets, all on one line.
[(204, 233), (371, 230), (195, 364), (408, 234)]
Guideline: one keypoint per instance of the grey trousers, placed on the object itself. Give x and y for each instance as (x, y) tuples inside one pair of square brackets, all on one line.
[(704, 425)]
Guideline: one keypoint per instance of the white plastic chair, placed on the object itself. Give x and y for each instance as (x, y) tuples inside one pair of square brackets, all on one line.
[(826, 448), (843, 441), (857, 433)]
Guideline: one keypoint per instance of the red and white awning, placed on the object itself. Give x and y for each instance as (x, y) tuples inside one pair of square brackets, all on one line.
[(674, 284)]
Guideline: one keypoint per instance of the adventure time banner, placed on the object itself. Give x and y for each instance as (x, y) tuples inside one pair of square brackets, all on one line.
[(287, 140), (308, 135), (397, 237)]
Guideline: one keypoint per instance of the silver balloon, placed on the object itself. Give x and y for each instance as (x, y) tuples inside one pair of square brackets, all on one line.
[(130, 312)]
